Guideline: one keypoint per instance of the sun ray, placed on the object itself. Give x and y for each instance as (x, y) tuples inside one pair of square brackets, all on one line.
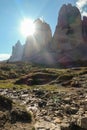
[(27, 27)]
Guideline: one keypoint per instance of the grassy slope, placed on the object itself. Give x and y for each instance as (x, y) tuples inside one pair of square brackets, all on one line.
[(52, 78)]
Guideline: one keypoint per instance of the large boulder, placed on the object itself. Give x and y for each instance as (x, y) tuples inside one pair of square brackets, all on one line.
[(17, 52), (68, 32)]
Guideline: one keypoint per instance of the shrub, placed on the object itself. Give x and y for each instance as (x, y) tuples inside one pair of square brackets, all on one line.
[(65, 77), (20, 115), (5, 103)]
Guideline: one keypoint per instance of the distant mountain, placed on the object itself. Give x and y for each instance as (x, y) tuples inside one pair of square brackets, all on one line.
[(68, 44), (17, 52)]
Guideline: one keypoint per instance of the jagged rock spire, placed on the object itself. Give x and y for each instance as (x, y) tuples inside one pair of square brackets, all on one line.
[(17, 51)]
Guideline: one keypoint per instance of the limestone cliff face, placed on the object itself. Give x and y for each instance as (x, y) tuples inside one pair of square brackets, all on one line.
[(39, 42), (68, 32), (68, 44), (43, 33), (84, 28), (17, 52)]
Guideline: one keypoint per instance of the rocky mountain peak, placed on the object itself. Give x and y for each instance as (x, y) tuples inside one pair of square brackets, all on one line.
[(68, 14), (17, 51), (18, 44), (41, 25), (39, 21), (39, 42), (67, 43), (68, 29)]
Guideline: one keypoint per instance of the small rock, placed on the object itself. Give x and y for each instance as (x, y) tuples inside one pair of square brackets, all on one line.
[(67, 100), (76, 84), (82, 122), (71, 110), (57, 120), (42, 103), (65, 126)]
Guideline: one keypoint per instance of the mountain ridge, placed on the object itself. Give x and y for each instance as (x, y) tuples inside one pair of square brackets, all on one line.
[(69, 41)]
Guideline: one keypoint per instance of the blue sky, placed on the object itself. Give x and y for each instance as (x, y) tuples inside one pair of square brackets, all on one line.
[(12, 13)]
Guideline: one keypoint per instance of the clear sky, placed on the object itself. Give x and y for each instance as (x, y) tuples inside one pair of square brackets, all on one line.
[(12, 13)]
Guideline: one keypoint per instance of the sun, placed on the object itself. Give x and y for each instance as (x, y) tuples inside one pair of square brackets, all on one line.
[(27, 27)]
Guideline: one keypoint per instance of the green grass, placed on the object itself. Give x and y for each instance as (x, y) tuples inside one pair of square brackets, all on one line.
[(6, 85), (11, 72)]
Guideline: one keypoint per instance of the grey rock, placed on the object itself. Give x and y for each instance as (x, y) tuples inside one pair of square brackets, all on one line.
[(65, 126), (82, 122), (17, 52)]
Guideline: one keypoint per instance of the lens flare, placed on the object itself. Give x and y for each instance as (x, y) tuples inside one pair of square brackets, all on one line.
[(27, 27)]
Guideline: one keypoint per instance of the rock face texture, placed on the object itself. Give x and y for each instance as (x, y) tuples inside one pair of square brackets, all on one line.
[(68, 33), (84, 28), (43, 34), (68, 44), (37, 46), (17, 52)]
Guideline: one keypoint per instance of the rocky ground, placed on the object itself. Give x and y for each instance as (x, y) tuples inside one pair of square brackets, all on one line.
[(57, 101), (53, 110)]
